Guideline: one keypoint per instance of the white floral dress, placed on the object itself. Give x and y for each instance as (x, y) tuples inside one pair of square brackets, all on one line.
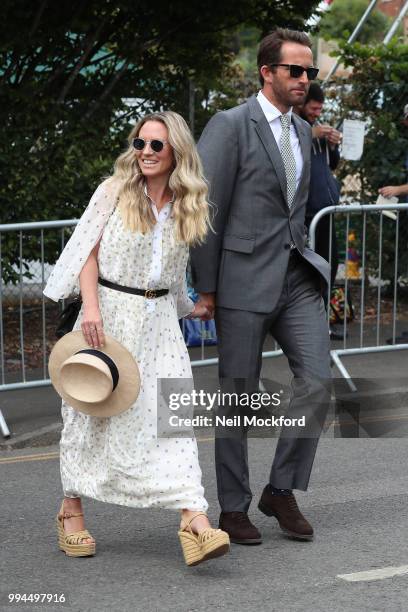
[(121, 459)]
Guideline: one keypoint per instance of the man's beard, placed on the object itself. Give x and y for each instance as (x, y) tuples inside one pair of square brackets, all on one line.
[(297, 100), (288, 98)]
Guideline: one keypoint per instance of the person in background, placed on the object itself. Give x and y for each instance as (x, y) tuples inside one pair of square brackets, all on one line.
[(394, 191), (401, 192), (324, 188), (398, 191)]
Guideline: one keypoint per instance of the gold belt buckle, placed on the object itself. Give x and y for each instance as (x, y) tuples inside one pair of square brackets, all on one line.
[(150, 294)]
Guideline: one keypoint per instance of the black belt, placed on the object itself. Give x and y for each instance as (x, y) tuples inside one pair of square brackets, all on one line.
[(147, 293)]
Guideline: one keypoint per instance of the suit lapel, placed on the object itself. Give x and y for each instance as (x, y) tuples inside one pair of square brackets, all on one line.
[(264, 132)]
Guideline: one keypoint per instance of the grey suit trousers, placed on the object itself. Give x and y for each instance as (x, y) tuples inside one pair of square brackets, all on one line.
[(299, 325)]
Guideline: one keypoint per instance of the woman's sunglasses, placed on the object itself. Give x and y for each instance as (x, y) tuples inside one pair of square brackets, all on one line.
[(297, 71), (155, 145)]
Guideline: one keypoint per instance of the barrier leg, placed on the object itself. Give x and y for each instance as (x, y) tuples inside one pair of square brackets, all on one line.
[(3, 426), (343, 370)]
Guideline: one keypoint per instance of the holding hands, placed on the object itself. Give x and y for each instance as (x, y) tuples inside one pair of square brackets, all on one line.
[(204, 308)]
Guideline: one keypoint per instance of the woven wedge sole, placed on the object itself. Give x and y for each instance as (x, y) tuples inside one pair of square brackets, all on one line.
[(192, 552), (209, 544), (74, 550), (216, 545)]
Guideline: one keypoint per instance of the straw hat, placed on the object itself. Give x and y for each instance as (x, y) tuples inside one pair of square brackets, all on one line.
[(99, 382)]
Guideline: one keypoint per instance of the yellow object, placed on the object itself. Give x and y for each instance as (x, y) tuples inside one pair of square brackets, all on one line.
[(353, 259), (73, 543), (208, 544), (353, 269)]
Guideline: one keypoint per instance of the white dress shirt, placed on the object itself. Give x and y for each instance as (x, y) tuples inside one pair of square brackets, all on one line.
[(157, 248), (161, 218), (272, 115)]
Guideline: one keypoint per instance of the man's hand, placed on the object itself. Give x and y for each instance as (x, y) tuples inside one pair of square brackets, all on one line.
[(393, 190), (208, 301), (334, 138), (321, 131), (326, 131)]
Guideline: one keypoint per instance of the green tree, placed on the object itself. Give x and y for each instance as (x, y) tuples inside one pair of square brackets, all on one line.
[(75, 74), (340, 20), (376, 92)]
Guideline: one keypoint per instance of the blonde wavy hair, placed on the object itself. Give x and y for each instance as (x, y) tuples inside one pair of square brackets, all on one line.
[(187, 183)]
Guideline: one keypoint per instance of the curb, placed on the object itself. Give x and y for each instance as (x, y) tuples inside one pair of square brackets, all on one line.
[(43, 436)]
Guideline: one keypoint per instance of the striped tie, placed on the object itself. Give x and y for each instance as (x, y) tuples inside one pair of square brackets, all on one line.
[(288, 158)]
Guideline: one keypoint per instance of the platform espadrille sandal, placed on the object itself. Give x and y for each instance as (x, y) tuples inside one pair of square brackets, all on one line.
[(73, 544), (208, 544)]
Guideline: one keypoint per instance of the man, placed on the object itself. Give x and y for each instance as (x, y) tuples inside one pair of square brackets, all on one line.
[(400, 192), (324, 188), (255, 274)]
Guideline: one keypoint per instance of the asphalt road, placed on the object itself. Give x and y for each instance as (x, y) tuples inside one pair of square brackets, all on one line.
[(357, 502)]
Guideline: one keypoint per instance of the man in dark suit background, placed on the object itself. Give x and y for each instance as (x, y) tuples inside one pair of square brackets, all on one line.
[(324, 187), (255, 274)]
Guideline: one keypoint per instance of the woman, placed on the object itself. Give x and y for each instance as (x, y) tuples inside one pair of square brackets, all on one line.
[(135, 233)]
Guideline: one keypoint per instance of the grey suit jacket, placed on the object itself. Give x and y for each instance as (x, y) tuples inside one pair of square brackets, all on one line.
[(245, 260)]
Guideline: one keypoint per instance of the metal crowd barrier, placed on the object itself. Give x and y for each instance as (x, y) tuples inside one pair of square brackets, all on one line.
[(21, 295), (390, 214)]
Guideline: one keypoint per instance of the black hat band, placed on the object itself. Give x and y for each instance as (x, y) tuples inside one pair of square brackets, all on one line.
[(107, 360)]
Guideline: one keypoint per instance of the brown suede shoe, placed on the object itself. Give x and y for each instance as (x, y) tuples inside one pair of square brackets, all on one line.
[(239, 528), (285, 509)]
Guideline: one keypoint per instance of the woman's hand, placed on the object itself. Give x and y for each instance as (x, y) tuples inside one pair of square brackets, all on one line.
[(91, 323), (200, 312), (92, 326)]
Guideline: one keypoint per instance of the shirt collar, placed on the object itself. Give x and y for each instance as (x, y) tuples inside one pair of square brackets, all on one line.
[(269, 109)]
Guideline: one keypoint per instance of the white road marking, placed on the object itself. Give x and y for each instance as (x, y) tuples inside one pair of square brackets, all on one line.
[(378, 574)]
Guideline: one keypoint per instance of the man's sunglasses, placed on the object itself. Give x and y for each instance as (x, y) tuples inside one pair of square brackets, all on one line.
[(155, 145), (297, 71)]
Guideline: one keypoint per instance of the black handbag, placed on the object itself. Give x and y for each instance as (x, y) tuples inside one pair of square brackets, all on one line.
[(68, 316)]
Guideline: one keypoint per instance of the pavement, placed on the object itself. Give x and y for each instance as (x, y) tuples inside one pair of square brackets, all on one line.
[(357, 503)]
